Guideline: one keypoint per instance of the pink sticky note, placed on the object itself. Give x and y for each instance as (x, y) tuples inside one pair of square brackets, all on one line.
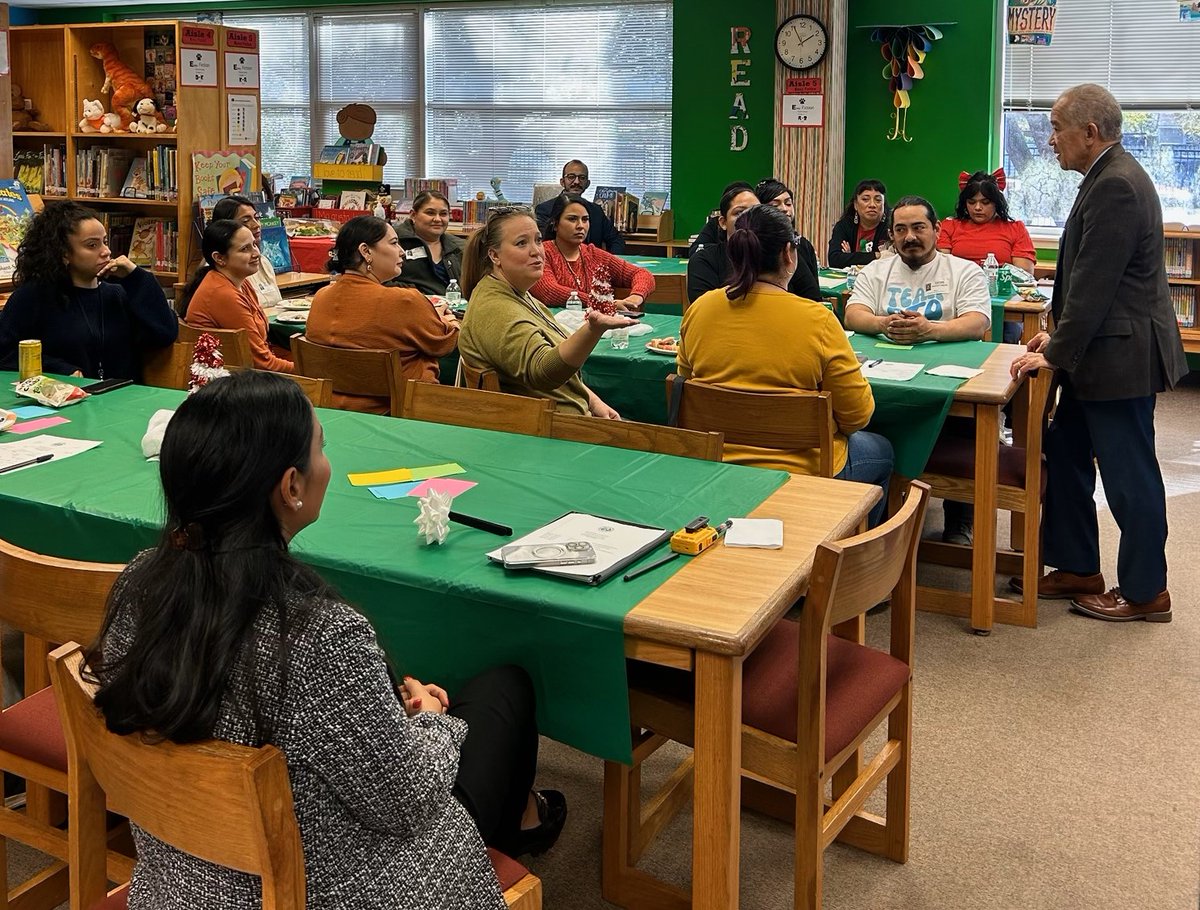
[(451, 485), (32, 426)]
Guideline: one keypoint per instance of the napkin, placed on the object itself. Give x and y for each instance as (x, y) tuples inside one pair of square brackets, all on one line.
[(152, 441), (762, 533)]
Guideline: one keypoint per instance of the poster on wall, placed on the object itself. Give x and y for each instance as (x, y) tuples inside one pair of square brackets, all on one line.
[(1031, 21), (1189, 10)]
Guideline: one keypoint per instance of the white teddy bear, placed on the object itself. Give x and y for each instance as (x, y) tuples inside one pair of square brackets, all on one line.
[(148, 120), (95, 120)]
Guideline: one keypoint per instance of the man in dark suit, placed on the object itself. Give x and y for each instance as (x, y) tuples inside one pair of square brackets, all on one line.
[(1115, 346), (601, 231)]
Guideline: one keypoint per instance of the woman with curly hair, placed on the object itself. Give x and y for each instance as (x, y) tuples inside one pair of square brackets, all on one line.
[(95, 315)]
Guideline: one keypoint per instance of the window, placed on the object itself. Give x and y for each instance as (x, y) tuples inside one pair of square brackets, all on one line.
[(516, 93), (1143, 54)]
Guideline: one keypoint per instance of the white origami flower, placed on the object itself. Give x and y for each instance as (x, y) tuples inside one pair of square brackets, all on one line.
[(434, 518)]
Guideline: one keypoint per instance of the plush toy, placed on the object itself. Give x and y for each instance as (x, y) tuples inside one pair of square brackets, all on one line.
[(95, 120), (127, 87), (149, 120), (24, 114)]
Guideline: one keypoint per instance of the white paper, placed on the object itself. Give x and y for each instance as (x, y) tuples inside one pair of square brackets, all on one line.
[(198, 68), (241, 70), (828, 284), (613, 542), (953, 371), (890, 369), (243, 119), (760, 533), (58, 446)]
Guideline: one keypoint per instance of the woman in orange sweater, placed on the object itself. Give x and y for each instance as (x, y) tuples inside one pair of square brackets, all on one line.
[(220, 295), (357, 311)]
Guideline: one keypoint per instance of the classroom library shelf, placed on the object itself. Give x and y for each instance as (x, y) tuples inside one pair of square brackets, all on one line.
[(1182, 256)]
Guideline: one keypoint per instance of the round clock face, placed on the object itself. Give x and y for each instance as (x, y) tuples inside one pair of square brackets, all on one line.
[(801, 42)]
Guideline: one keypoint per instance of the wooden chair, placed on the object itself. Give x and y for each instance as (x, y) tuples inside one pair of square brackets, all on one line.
[(812, 695), (950, 474), (644, 437), (476, 408), (768, 420), (318, 391), (476, 377), (352, 371), (49, 600), (235, 345), (224, 803), (169, 367)]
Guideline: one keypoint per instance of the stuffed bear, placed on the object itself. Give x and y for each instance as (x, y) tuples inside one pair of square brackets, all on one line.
[(94, 119), (25, 119), (148, 119)]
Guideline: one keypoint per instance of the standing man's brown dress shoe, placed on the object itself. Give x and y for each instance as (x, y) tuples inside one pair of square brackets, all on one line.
[(1058, 584), (1115, 608)]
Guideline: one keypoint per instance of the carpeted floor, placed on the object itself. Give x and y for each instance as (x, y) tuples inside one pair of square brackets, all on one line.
[(1053, 769)]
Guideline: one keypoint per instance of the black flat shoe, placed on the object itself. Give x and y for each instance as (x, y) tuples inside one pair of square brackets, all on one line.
[(552, 815)]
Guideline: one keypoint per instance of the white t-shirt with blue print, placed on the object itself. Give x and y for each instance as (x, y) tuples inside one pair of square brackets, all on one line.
[(946, 287)]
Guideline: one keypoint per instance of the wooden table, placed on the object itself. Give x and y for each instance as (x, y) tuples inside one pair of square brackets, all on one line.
[(1034, 316), (683, 625), (296, 281)]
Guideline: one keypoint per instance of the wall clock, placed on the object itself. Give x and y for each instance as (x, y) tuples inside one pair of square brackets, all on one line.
[(801, 42)]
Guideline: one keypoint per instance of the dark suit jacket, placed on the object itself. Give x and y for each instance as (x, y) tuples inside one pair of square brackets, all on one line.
[(601, 231), (1116, 334)]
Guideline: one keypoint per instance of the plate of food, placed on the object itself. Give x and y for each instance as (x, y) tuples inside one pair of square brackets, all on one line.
[(298, 317), (7, 419), (668, 346)]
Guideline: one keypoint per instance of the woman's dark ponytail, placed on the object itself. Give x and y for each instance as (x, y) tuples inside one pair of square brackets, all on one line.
[(760, 236)]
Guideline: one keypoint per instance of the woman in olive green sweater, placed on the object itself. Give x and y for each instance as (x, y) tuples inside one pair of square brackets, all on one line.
[(511, 332)]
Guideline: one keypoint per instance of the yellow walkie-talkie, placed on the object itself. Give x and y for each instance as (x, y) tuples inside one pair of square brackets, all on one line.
[(695, 537)]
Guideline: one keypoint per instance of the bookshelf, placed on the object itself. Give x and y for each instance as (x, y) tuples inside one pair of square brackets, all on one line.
[(53, 65), (1182, 254)]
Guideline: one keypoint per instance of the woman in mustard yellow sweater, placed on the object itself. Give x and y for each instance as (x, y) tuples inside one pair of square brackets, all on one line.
[(755, 335)]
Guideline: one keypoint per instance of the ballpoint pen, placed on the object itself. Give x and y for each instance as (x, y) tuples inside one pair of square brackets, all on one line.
[(654, 565), (41, 459)]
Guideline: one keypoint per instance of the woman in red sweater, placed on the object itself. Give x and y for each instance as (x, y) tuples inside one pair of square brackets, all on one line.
[(572, 265)]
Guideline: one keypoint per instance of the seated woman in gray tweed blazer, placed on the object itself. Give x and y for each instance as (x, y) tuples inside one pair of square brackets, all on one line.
[(220, 632)]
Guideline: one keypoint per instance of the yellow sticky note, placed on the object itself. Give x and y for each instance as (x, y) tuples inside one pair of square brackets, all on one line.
[(377, 478)]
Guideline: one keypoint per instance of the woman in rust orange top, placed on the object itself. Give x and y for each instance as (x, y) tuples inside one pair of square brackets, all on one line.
[(357, 311), (220, 295)]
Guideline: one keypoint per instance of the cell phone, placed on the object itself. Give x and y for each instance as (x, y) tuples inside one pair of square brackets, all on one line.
[(631, 314), (531, 555), (106, 385)]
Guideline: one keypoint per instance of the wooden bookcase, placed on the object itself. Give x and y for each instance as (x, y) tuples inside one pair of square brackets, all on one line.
[(53, 65), (1183, 276)]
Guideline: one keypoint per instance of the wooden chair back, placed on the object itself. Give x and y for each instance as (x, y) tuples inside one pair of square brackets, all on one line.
[(477, 377), (318, 391), (235, 344), (475, 408), (785, 420), (644, 437), (226, 804), (352, 371), (169, 367)]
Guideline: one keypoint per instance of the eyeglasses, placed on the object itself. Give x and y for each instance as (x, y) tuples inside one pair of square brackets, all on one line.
[(581, 178), (495, 210)]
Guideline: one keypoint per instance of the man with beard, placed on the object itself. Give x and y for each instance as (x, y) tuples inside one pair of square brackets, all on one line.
[(920, 295)]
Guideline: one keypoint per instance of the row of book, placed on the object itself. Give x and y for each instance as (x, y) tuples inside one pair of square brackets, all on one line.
[(414, 186), (110, 172), (1184, 301), (620, 207), (154, 244), (42, 170), (351, 153), (1178, 254)]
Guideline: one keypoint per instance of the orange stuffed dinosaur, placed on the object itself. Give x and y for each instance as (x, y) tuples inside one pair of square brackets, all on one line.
[(127, 87)]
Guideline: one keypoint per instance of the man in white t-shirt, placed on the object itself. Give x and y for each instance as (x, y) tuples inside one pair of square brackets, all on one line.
[(919, 295)]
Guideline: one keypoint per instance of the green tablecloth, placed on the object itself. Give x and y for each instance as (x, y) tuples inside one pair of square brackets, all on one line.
[(441, 612), (632, 380)]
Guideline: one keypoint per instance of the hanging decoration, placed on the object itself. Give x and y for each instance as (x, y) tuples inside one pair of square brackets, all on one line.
[(904, 48)]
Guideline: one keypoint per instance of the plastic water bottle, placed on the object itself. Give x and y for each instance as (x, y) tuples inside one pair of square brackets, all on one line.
[(991, 268), (453, 295), (574, 303)]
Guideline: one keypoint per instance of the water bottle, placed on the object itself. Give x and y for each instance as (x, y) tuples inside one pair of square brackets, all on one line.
[(453, 295), (991, 268), (574, 303)]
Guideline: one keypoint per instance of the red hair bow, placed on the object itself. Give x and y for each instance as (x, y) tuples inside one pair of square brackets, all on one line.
[(997, 175)]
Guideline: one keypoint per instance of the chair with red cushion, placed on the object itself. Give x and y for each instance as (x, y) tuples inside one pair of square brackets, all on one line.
[(812, 694), (49, 601)]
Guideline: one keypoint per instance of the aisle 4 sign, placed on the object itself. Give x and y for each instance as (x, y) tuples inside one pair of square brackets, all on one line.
[(241, 70), (803, 102)]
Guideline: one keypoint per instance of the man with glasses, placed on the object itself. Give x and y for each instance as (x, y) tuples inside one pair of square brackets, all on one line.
[(601, 233)]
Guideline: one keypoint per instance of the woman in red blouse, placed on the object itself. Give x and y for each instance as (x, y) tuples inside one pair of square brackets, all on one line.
[(982, 225), (572, 265)]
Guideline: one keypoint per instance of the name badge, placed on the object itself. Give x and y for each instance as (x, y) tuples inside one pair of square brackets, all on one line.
[(417, 252)]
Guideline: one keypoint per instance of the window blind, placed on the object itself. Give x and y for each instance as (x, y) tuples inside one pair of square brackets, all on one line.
[(516, 92), (1137, 49)]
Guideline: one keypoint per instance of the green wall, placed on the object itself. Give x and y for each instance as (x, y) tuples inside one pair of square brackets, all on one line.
[(953, 107)]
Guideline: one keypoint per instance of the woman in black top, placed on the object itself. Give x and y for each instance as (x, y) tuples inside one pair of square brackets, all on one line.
[(431, 256), (87, 327), (861, 234), (775, 194)]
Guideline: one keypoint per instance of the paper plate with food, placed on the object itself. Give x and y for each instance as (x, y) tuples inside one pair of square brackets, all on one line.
[(294, 317), (668, 346)]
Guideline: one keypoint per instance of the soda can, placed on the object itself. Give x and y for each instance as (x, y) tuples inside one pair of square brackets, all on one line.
[(30, 358)]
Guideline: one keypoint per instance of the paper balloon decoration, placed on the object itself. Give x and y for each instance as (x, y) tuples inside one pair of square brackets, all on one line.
[(904, 48)]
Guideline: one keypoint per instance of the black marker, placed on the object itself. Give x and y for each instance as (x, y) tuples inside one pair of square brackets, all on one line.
[(654, 565), (41, 459), (481, 524)]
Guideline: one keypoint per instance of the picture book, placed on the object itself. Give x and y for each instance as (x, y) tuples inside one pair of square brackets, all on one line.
[(15, 215), (29, 168), (607, 197), (333, 154), (142, 245), (654, 202), (223, 172), (274, 243), (137, 181), (353, 199)]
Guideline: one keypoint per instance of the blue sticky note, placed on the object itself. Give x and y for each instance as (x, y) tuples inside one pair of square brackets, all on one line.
[(33, 410), (395, 490)]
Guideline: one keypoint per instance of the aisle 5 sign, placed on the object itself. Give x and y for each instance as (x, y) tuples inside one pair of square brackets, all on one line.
[(803, 102)]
